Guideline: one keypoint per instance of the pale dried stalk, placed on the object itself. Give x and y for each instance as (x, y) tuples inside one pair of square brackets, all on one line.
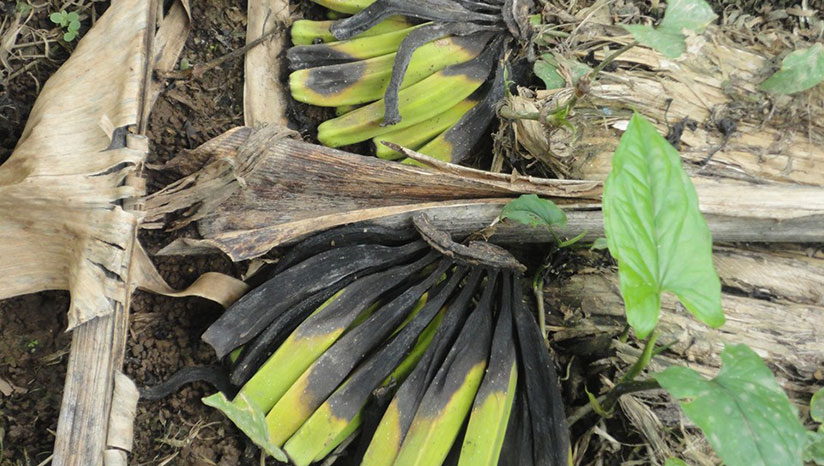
[(781, 319)]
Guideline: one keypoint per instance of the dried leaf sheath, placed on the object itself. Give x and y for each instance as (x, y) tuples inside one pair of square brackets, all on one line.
[(294, 188), (59, 219)]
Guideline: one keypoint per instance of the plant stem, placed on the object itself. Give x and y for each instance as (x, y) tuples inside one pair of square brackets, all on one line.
[(509, 114), (538, 289), (609, 400), (642, 362), (612, 58)]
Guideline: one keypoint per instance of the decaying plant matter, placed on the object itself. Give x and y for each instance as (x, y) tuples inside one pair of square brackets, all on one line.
[(369, 345), (427, 74), (708, 101)]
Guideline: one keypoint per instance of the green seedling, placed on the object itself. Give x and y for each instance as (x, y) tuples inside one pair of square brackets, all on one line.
[(68, 21)]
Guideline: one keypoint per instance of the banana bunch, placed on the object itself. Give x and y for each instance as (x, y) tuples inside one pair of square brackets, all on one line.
[(425, 74), (373, 347)]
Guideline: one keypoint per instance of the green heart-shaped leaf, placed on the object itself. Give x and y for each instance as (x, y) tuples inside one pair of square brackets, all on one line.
[(799, 71), (655, 231), (744, 413), (680, 16)]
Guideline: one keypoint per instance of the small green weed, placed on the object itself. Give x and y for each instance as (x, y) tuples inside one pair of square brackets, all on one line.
[(69, 21)]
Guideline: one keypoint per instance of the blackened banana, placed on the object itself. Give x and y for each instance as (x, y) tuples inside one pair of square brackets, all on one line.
[(543, 393), (448, 398), (320, 379), (412, 42), (347, 235), (436, 10), (394, 425), (255, 353), (320, 330), (257, 309)]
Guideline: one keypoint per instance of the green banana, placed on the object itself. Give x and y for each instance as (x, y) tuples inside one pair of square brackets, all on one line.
[(491, 410), (308, 32), (344, 109), (324, 375), (455, 143), (448, 398), (361, 48), (320, 331), (418, 102), (415, 136), (365, 81), (345, 6)]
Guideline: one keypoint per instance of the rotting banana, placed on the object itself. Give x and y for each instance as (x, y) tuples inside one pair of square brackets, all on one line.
[(449, 396), (456, 142), (320, 379), (424, 360), (336, 74), (296, 284), (309, 56), (392, 429), (365, 81), (320, 331), (492, 406), (338, 411)]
